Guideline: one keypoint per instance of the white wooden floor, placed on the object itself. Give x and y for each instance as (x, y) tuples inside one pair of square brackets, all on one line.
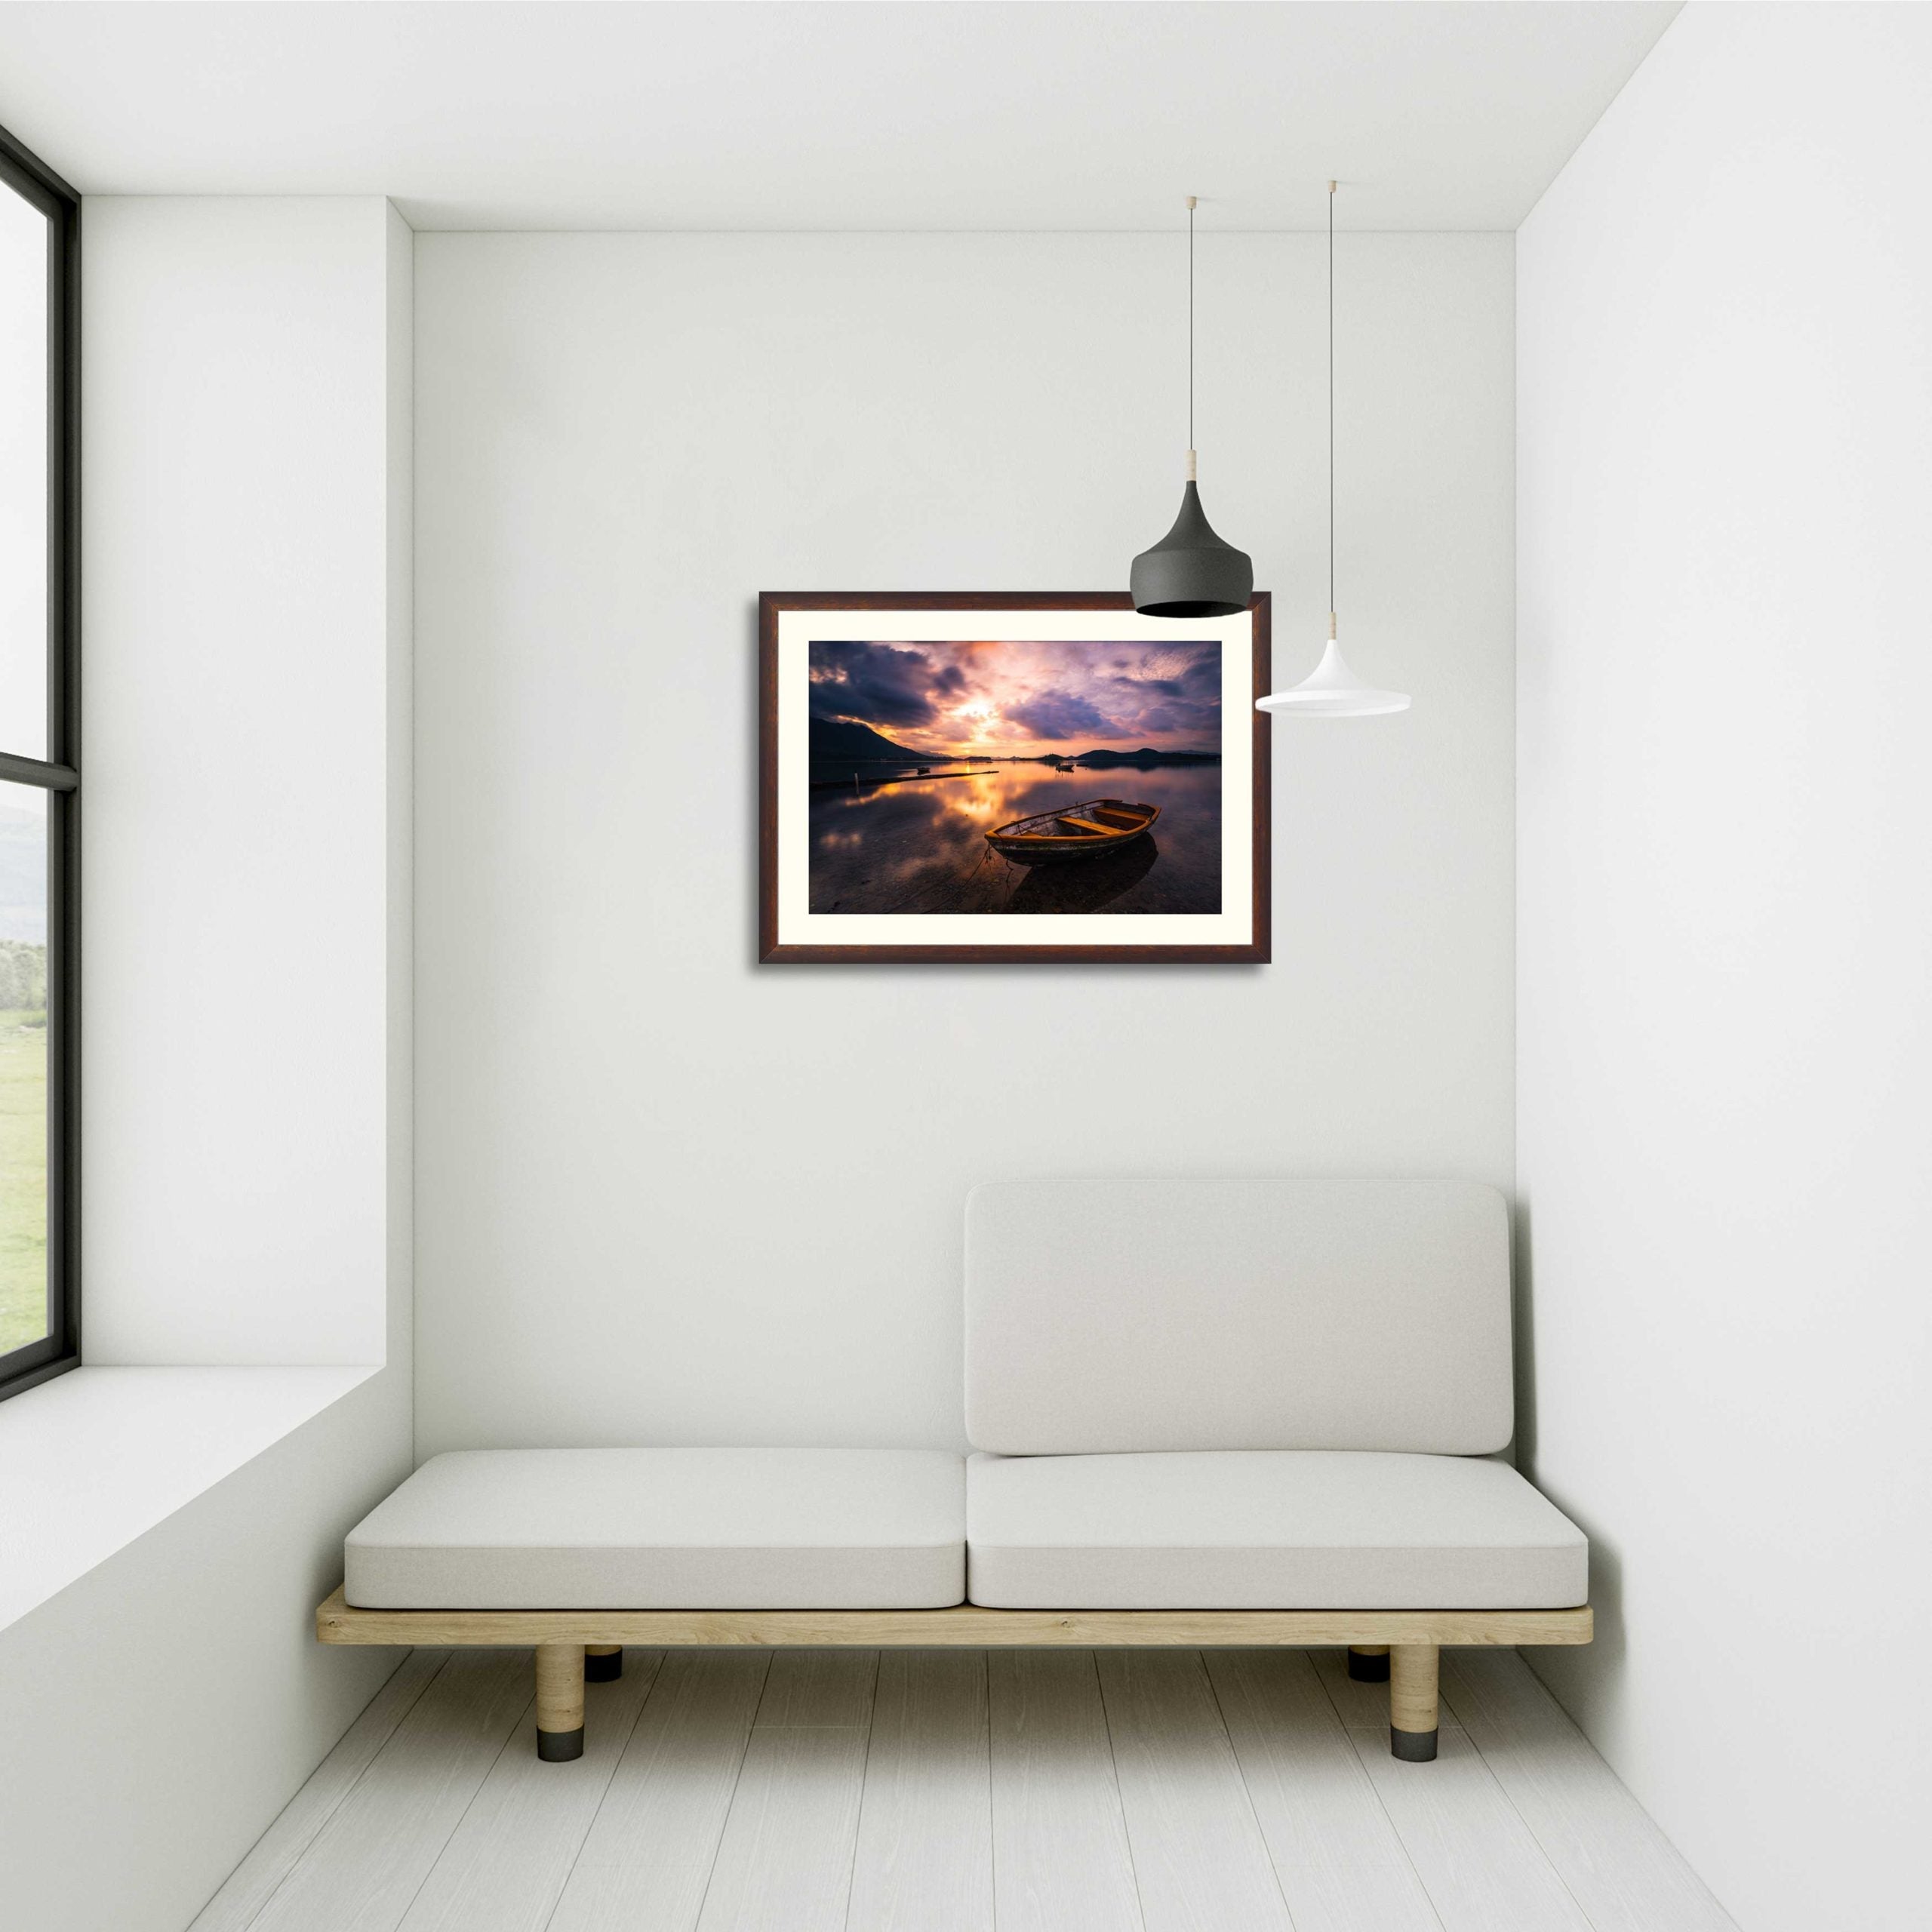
[(950, 1791)]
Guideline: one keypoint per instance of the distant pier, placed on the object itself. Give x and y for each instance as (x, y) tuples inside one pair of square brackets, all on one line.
[(859, 780)]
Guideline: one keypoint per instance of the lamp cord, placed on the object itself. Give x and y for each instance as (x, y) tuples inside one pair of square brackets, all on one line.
[(1190, 329), (1331, 409)]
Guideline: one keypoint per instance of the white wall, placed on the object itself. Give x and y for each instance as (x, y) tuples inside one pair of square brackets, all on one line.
[(163, 1709), (237, 870), (1725, 406), (246, 847), (665, 1195)]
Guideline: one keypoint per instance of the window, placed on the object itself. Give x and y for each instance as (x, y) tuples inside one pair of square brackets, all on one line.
[(39, 798)]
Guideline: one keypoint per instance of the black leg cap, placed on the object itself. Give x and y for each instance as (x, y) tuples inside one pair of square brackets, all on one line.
[(603, 1670), (1368, 1670), (559, 1747), (1414, 1747)]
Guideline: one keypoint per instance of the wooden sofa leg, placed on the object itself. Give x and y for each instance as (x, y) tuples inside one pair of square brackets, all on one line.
[(559, 1701), (603, 1663), (1412, 1695), (1368, 1663)]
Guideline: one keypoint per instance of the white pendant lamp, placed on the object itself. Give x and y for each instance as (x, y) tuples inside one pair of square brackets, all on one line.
[(1332, 690)]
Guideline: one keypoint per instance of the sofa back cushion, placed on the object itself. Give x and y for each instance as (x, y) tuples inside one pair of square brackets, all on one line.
[(1115, 1315)]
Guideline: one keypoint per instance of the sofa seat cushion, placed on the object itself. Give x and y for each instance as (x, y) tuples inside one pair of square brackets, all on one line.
[(1266, 1530), (667, 1529)]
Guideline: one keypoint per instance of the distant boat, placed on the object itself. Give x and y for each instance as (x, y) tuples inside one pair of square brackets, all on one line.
[(1100, 825)]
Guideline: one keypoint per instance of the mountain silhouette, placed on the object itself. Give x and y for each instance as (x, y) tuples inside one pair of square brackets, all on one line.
[(1146, 755), (833, 738)]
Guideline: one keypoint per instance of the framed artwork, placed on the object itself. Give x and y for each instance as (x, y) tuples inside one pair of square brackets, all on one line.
[(1042, 776)]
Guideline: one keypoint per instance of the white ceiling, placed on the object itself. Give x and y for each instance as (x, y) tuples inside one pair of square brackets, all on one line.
[(807, 115)]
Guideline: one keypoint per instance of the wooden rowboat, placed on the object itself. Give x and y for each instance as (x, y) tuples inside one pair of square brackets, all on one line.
[(1100, 825)]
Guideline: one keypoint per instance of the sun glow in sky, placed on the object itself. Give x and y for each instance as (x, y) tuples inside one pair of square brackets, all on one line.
[(1023, 699)]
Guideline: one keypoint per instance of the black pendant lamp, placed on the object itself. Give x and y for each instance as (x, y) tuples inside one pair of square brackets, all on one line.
[(1191, 573)]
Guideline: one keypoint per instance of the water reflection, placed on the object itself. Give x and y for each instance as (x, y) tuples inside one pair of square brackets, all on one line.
[(1085, 885), (920, 847)]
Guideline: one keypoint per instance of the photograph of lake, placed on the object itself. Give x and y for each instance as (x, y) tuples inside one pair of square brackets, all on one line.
[(1095, 766)]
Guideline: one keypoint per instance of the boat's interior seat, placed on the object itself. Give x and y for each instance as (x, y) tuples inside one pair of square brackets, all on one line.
[(1086, 824)]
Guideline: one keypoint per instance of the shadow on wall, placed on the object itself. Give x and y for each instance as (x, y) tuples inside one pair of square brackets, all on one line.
[(1523, 1318), (1587, 1684)]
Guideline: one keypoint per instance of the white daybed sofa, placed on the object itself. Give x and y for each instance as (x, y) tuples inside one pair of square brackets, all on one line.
[(1208, 1412)]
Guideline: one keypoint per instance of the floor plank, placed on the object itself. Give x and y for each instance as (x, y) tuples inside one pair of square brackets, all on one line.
[(1314, 1802), (1199, 1861), (506, 1864), (1048, 1791), (1061, 1857), (648, 1856), (250, 1886), (1623, 1870), (1358, 1898), (784, 1861), (1482, 1870), (924, 1860), (368, 1862), (814, 1687)]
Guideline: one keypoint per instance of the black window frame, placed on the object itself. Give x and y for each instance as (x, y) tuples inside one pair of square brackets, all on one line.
[(58, 773)]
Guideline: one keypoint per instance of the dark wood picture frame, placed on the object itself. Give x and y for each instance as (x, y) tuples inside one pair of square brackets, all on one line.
[(772, 603)]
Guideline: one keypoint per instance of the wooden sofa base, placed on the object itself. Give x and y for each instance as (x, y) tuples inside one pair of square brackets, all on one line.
[(1410, 1639)]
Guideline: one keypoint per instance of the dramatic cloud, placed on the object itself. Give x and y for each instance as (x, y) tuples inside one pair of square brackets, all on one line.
[(1023, 698), (877, 684), (1058, 714)]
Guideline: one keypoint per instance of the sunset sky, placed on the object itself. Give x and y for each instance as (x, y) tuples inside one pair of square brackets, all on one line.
[(1017, 700)]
